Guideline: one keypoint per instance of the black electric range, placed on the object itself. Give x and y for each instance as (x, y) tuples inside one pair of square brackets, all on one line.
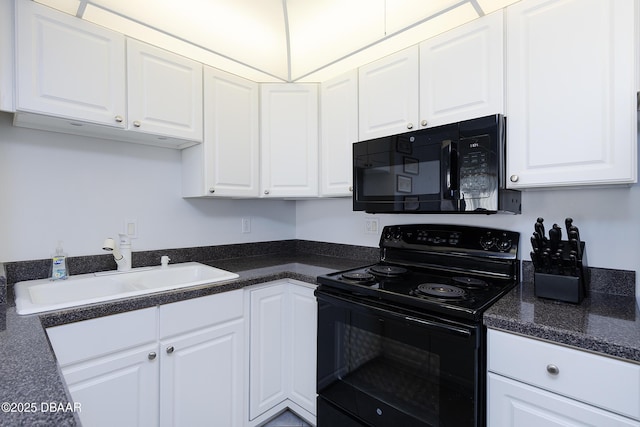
[(450, 270), (401, 342)]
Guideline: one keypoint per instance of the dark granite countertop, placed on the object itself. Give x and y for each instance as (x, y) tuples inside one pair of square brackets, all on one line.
[(607, 321), (30, 377)]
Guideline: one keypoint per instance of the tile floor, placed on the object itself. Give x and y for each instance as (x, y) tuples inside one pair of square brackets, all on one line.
[(287, 419)]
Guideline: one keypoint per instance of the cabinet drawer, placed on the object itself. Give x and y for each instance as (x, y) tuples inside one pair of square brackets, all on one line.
[(183, 316), (95, 337), (601, 381)]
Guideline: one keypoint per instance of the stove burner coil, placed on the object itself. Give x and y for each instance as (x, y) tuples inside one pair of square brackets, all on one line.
[(442, 291), (388, 270), (470, 282), (358, 277)]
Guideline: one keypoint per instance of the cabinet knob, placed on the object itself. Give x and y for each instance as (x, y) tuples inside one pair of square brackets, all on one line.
[(170, 349), (152, 355), (553, 369), (212, 190), (119, 119), (136, 124), (266, 191), (351, 189), (514, 178), (423, 123), (409, 125)]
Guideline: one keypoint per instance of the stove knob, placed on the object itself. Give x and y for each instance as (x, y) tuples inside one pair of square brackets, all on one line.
[(504, 244), (487, 241)]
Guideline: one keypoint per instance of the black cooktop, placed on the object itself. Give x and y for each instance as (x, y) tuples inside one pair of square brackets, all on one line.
[(449, 270), (454, 294)]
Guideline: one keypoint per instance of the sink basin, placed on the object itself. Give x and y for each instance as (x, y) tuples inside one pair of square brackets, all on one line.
[(36, 296)]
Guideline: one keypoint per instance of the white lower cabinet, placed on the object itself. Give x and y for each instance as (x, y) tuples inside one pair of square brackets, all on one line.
[(533, 383), (176, 365), (110, 366), (282, 357), (515, 404), (201, 364)]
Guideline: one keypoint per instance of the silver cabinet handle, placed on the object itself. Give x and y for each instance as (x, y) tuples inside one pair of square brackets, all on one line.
[(351, 189), (212, 190), (152, 355), (409, 125), (514, 178), (423, 123), (553, 369), (266, 191), (119, 119), (170, 349), (136, 124)]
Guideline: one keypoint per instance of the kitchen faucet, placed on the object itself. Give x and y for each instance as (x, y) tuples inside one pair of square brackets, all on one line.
[(121, 256)]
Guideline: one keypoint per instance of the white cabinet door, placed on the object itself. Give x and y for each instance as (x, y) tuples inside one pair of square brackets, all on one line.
[(68, 67), (514, 404), (462, 72), (338, 132), (388, 95), (268, 359), (571, 96), (302, 346), (165, 92), (227, 164), (282, 362), (203, 377), (202, 361), (289, 140), (120, 389), (111, 367)]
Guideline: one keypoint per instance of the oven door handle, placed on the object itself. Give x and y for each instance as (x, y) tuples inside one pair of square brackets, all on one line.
[(362, 305), (448, 328)]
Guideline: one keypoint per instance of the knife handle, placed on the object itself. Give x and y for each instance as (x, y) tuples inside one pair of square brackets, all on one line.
[(539, 227), (568, 223)]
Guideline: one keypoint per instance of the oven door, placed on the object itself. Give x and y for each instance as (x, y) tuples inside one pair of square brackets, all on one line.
[(389, 367)]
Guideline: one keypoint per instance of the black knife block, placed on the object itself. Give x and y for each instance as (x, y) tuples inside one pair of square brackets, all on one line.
[(568, 285)]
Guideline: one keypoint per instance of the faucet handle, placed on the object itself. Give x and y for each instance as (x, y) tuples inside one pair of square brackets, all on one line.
[(164, 260)]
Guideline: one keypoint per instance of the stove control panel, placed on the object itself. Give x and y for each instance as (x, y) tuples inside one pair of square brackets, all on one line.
[(449, 237)]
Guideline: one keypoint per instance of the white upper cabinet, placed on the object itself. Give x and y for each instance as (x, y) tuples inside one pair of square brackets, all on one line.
[(289, 140), (454, 76), (338, 132), (68, 67), (76, 77), (165, 92), (7, 72), (388, 95), (227, 163), (571, 95), (462, 72)]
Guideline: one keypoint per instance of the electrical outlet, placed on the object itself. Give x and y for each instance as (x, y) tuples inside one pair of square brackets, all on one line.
[(371, 226), (131, 227), (246, 225)]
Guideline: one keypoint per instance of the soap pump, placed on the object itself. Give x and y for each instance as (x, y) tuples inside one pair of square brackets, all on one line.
[(59, 263)]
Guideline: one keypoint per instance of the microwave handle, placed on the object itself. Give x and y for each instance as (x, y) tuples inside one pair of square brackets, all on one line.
[(449, 165)]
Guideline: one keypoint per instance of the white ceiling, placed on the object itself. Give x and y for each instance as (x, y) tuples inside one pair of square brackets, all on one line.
[(281, 40)]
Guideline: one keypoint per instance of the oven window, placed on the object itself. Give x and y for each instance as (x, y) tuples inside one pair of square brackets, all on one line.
[(385, 369)]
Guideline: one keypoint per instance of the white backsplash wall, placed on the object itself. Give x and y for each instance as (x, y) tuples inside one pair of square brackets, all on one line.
[(80, 190), (608, 219)]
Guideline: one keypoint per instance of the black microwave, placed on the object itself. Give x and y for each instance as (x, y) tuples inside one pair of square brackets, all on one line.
[(454, 168)]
